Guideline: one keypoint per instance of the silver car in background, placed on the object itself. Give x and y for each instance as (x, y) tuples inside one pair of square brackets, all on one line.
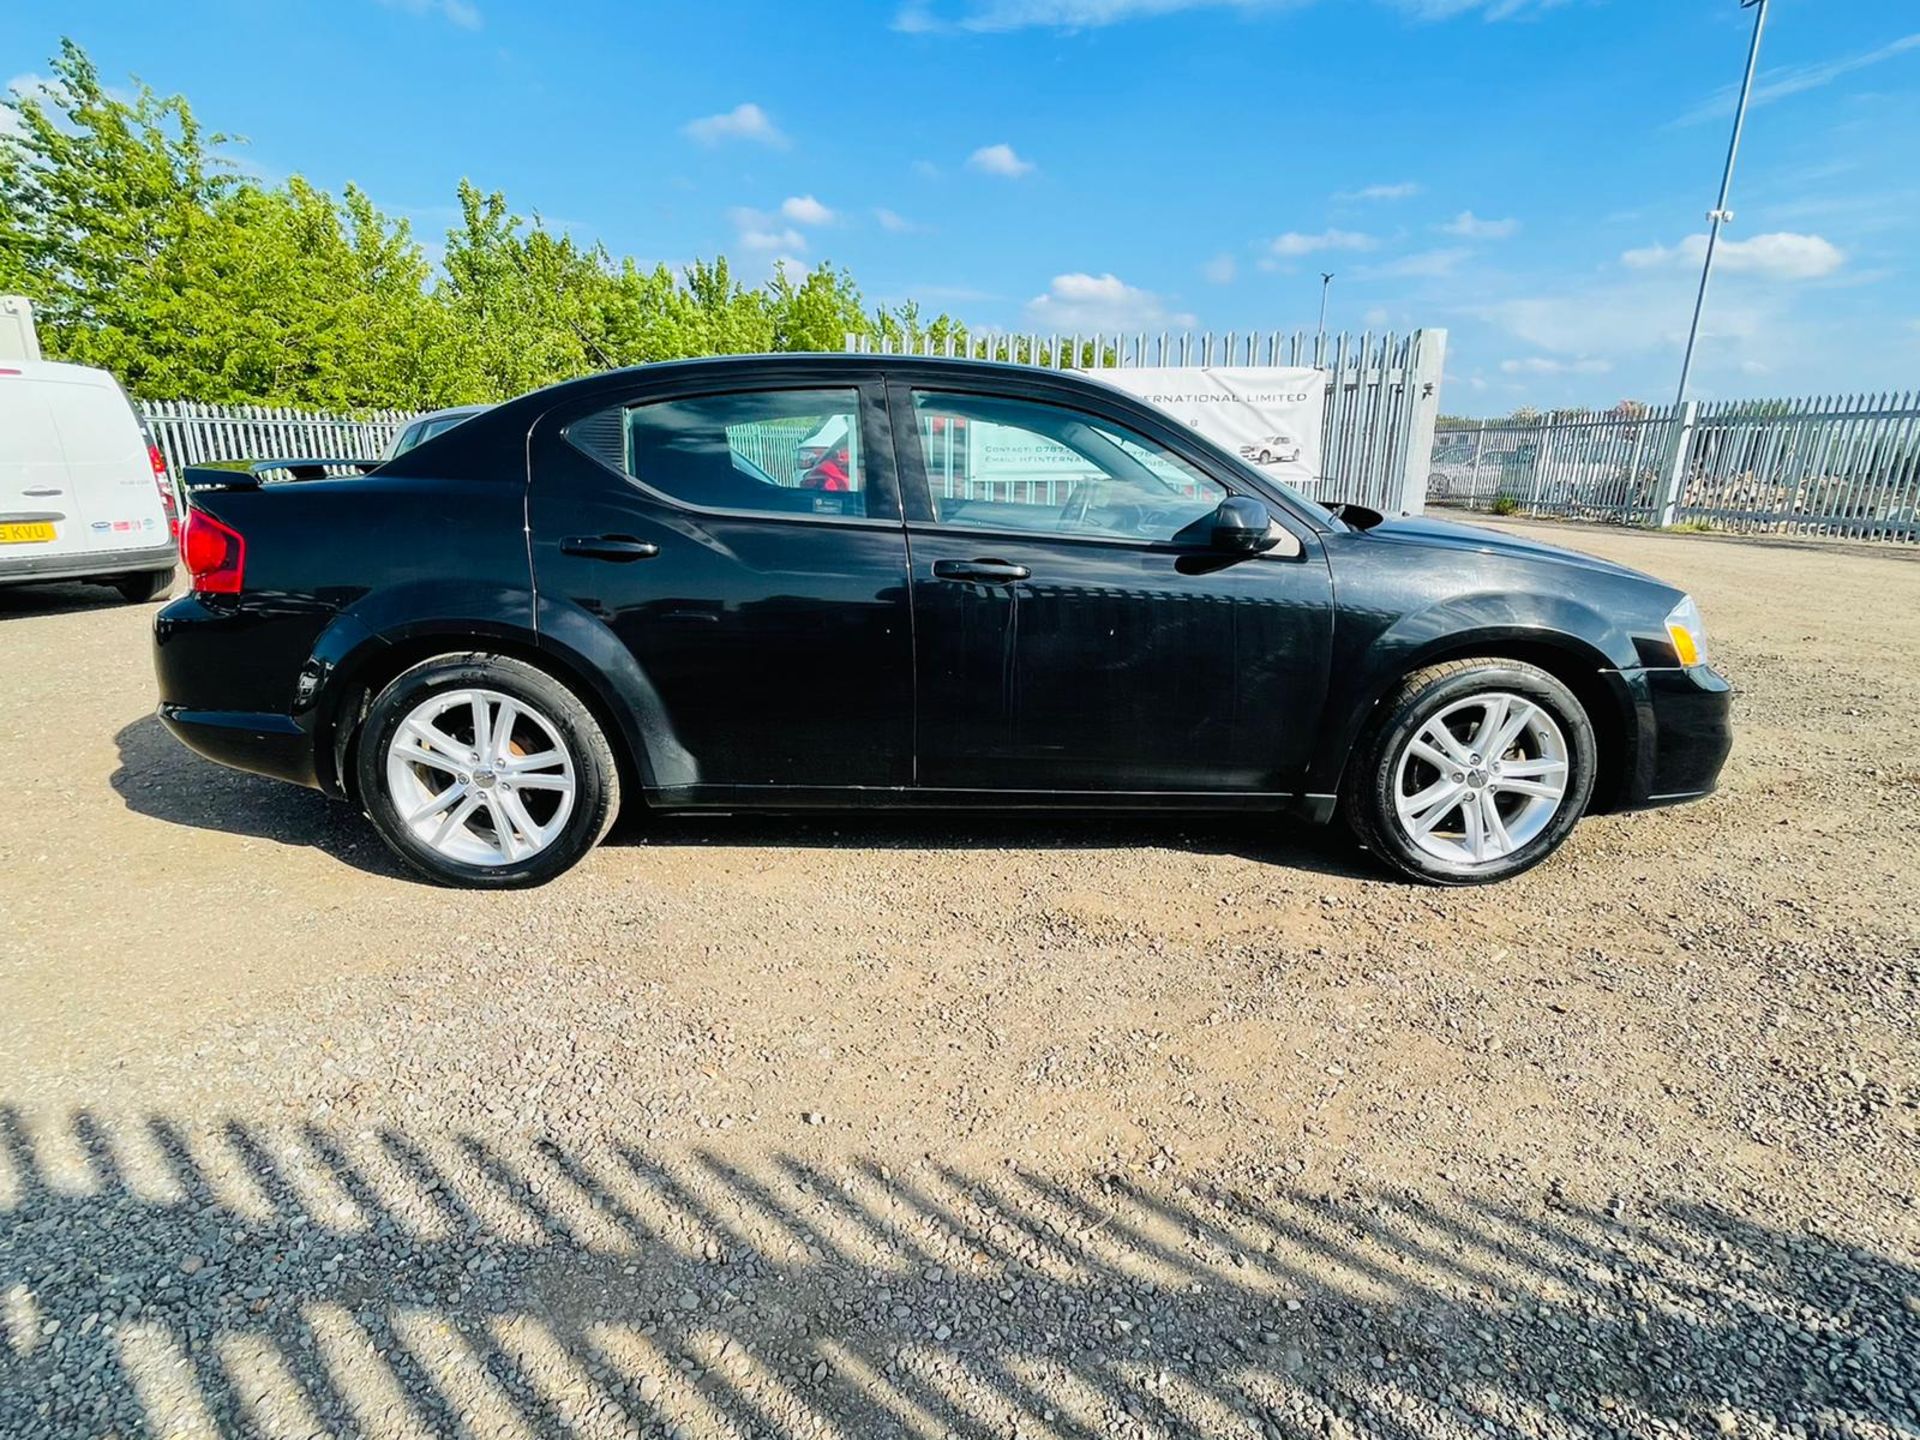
[(425, 427)]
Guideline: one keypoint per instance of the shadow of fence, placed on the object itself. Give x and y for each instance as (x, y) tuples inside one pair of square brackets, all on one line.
[(159, 1278)]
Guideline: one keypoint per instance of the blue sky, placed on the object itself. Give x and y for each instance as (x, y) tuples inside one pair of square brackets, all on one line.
[(1530, 174)]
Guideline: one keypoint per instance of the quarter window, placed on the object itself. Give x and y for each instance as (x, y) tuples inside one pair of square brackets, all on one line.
[(996, 464), (764, 452)]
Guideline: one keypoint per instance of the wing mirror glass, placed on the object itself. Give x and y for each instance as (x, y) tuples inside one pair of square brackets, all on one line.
[(1243, 526)]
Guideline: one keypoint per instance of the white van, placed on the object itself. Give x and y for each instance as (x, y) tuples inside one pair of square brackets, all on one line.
[(84, 495)]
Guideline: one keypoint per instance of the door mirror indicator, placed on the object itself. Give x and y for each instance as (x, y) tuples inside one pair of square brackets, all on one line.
[(1243, 526)]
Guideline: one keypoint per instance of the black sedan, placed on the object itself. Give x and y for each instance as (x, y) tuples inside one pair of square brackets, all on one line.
[(1012, 589)]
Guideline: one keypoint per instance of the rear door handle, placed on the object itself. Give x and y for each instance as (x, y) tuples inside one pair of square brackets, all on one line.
[(993, 572), (621, 549)]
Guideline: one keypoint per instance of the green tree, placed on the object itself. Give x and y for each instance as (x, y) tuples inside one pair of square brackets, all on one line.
[(107, 203), (816, 312), (317, 301), (147, 255)]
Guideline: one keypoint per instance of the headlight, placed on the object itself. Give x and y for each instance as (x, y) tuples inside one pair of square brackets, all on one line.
[(1688, 632)]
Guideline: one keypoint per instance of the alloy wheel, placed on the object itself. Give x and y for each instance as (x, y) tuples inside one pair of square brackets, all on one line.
[(1481, 778), (480, 777)]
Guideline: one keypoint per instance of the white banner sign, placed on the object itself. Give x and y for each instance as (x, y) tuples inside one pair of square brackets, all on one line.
[(1269, 415)]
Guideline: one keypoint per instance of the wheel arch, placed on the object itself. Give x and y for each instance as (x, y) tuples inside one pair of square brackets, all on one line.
[(363, 672), (1585, 669)]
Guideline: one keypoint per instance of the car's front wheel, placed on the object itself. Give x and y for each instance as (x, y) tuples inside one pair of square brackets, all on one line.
[(485, 772), (1474, 771)]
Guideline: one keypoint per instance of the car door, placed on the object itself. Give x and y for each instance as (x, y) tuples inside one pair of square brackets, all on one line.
[(1075, 630), (759, 586)]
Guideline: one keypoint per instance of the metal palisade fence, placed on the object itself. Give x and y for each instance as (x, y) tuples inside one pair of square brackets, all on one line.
[(1845, 466), (1382, 394), (189, 433)]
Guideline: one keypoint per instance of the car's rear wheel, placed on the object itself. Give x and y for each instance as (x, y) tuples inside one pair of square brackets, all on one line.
[(483, 771), (1475, 771), (144, 585)]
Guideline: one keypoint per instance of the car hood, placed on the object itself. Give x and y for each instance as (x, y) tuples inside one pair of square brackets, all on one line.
[(1450, 535)]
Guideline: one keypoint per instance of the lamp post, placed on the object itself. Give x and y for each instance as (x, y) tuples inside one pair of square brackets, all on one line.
[(1720, 214), (1320, 345)]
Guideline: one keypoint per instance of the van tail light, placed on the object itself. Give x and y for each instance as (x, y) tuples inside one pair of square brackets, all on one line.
[(214, 554), (165, 487)]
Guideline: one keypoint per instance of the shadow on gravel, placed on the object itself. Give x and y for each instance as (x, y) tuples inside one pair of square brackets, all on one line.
[(1269, 839), (160, 777), (158, 1278), (19, 602)]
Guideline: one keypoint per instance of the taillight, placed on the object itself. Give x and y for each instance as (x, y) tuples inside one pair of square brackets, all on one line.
[(165, 487), (214, 554)]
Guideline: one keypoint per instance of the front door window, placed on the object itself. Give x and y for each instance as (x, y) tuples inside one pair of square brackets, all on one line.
[(1041, 469)]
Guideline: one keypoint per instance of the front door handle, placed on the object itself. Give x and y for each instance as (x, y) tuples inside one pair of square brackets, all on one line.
[(993, 572), (621, 549)]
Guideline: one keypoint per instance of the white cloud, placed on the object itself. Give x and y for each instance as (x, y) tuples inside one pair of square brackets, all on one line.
[(1423, 265), (22, 87), (1645, 314), (1081, 302), (926, 169), (746, 121), (895, 223), (1221, 269), (762, 232), (1000, 160), (805, 210), (1545, 365), (788, 239), (1486, 9), (1787, 80), (933, 17), (1403, 190), (923, 17), (1470, 226), (1293, 244), (1780, 256), (459, 12), (1376, 317)]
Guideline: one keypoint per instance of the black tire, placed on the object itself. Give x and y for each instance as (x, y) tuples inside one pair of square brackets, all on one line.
[(145, 585), (596, 796), (1371, 792), (1266, 457)]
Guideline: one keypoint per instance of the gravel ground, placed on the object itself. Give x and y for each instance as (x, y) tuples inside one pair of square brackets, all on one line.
[(990, 1128)]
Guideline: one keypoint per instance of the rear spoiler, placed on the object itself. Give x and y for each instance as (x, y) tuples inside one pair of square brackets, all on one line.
[(243, 475)]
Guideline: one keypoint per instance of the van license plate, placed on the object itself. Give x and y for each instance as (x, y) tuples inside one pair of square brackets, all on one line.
[(26, 532)]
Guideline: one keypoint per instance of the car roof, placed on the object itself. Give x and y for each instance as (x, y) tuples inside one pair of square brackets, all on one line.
[(666, 376), (723, 368)]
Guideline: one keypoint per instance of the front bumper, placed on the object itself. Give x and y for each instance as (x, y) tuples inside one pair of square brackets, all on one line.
[(1686, 733)]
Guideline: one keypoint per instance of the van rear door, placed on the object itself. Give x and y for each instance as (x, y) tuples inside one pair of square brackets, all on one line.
[(42, 511), (107, 461)]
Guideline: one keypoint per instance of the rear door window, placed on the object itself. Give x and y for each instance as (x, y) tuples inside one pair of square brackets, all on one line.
[(760, 452)]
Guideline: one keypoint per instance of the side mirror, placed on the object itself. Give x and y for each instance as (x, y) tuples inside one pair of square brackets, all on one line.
[(1242, 526)]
